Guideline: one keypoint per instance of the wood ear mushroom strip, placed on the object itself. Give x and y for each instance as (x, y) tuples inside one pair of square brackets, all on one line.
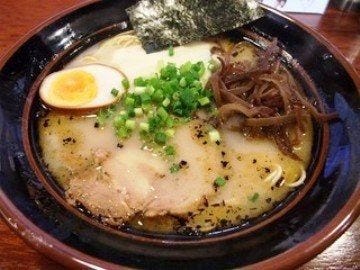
[(266, 98)]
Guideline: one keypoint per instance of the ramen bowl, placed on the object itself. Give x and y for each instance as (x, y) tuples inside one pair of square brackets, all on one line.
[(301, 226)]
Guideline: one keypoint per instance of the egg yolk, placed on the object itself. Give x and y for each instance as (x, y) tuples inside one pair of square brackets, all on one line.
[(73, 88)]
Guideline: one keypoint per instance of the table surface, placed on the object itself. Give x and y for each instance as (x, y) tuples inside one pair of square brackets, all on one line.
[(340, 27)]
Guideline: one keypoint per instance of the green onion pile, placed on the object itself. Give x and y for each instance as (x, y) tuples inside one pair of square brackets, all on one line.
[(155, 106)]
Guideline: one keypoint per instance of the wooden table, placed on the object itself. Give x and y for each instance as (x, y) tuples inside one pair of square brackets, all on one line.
[(340, 27)]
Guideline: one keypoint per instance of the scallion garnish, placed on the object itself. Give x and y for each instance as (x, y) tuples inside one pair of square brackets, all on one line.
[(166, 102), (104, 114), (130, 124), (140, 81), (213, 65), (162, 113), (163, 102), (119, 121), (174, 168), (129, 102), (160, 138), (139, 90), (219, 181), (125, 83), (122, 132), (138, 112), (254, 197), (170, 132), (145, 97), (204, 101), (144, 127), (114, 92), (169, 150), (182, 82), (158, 96)]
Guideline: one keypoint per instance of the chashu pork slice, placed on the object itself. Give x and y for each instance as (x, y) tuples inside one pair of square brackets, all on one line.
[(100, 197), (132, 180), (119, 186), (183, 192)]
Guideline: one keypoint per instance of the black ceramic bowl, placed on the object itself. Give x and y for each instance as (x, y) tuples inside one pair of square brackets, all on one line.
[(294, 233)]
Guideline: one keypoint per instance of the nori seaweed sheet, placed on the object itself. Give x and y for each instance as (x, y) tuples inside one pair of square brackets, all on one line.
[(160, 23)]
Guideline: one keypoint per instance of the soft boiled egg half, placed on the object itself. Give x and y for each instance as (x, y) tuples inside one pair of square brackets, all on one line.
[(84, 87)]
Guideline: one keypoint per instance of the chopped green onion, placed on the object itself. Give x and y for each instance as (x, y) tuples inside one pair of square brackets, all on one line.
[(204, 101), (169, 122), (168, 72), (169, 150), (125, 83), (214, 135), (160, 138), (182, 82), (122, 132), (150, 113), (166, 102), (150, 90), (119, 121), (154, 123), (162, 113), (197, 84), (185, 68), (130, 124), (176, 96), (139, 81), (158, 96), (219, 181), (138, 112), (146, 107), (131, 112), (114, 92), (129, 101), (144, 126), (202, 69), (104, 114), (170, 132), (211, 67), (145, 98), (254, 197), (174, 168), (139, 89), (171, 50)]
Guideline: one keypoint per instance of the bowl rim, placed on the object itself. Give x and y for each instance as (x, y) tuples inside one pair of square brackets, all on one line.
[(300, 253)]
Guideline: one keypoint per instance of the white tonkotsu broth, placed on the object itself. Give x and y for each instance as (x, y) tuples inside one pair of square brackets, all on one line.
[(129, 182), (125, 53)]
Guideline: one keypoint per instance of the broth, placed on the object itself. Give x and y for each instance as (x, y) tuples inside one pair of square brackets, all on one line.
[(129, 182)]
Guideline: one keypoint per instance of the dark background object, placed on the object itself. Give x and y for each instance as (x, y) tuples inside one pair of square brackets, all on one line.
[(18, 156)]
